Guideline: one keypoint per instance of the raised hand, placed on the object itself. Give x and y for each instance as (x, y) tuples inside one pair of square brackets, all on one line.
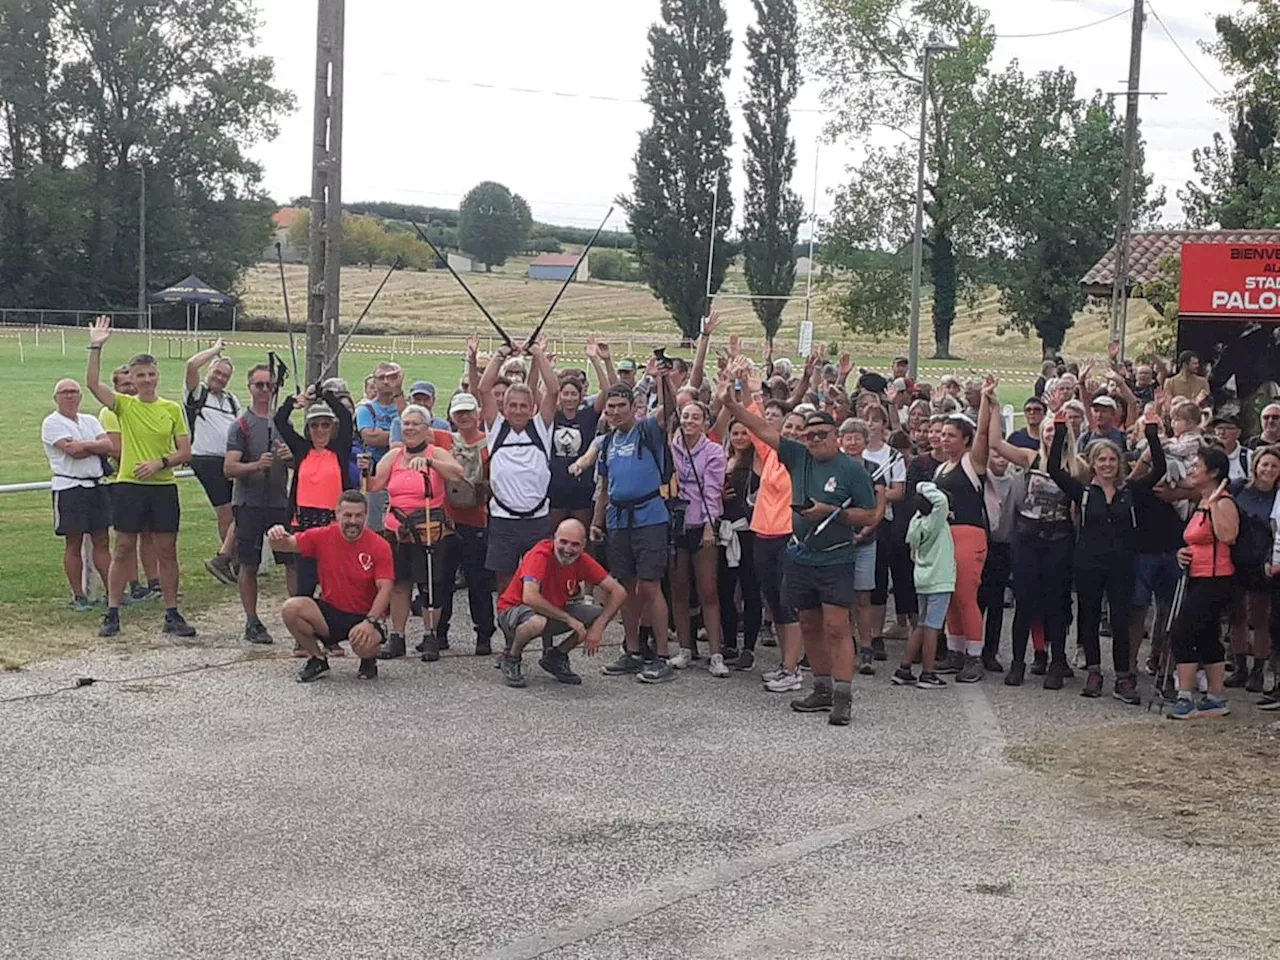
[(593, 348), (100, 332), (1113, 350), (602, 350), (846, 364), (735, 345), (1151, 415), (711, 322), (473, 347)]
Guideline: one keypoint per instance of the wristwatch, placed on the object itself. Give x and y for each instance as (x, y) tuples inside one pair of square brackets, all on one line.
[(164, 462)]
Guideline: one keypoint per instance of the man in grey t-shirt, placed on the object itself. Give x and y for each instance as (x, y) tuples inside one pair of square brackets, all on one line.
[(256, 464)]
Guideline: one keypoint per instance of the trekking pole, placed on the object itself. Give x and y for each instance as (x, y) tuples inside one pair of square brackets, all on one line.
[(569, 279), (1166, 659), (356, 326), (288, 318), (448, 266)]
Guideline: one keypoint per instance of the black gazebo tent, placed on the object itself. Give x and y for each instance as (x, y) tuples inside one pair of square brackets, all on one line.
[(194, 292)]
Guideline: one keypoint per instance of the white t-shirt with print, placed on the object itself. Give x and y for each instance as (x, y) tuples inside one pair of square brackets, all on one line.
[(896, 473)]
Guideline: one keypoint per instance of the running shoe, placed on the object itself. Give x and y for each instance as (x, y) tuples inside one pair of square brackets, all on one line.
[(746, 660), (175, 626), (877, 649), (1184, 709), (1211, 706), (903, 677), (841, 711), (1270, 702), (953, 663), (110, 626), (768, 638), (393, 649), (313, 670), (82, 604), (682, 658), (220, 568), (1092, 685), (1040, 663), (257, 633), (717, 667), (972, 671), (1236, 680), (512, 673), (625, 665), (730, 654), (1016, 675), (804, 663), (1255, 682), (368, 669), (659, 671), (785, 682), (556, 663), (773, 674), (930, 681), (815, 702), (866, 667), (1126, 691)]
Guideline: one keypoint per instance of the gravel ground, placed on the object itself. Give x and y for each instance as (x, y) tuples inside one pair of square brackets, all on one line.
[(196, 802)]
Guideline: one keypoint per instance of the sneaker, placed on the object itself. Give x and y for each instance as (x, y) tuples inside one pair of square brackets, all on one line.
[(903, 677), (930, 681), (767, 637), (110, 626), (953, 663), (841, 711), (220, 568), (1211, 706), (746, 660), (313, 669), (785, 682), (865, 665), (1040, 663), (659, 671), (773, 674), (1054, 678), (368, 669), (1270, 702), (175, 626), (153, 591), (877, 649), (626, 664), (512, 673), (1080, 658), (1126, 691), (1092, 685), (257, 633), (1016, 675), (1236, 680), (139, 591), (393, 649), (717, 666), (82, 604), (484, 648), (1255, 681), (556, 663), (1153, 666), (815, 702), (430, 648), (972, 671), (991, 664), (1184, 709), (682, 658), (298, 651), (804, 664), (730, 654)]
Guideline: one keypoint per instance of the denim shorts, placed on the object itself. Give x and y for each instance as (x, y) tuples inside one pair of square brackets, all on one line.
[(933, 609), (1157, 578), (864, 567)]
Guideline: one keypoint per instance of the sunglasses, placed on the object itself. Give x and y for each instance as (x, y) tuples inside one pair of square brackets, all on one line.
[(817, 436), (261, 384)]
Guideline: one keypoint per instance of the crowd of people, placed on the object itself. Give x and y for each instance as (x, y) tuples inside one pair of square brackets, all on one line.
[(716, 506)]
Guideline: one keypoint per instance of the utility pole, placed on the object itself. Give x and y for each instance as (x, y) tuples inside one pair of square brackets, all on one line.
[(142, 244), (325, 243), (1120, 285)]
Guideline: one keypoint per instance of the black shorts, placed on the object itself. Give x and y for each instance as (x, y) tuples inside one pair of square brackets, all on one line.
[(145, 507), (576, 497), (807, 587), (340, 623), (770, 558), (510, 540), (78, 510), (252, 524), (691, 540), (638, 553), (412, 567), (208, 471)]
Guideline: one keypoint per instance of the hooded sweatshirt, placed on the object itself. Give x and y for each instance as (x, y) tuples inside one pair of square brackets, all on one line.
[(931, 545)]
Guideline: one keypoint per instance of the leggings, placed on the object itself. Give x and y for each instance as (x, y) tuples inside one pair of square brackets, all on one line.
[(880, 592), (995, 577), (769, 555), (903, 569), (1113, 577), (1197, 631), (964, 619), (752, 607), (1041, 591)]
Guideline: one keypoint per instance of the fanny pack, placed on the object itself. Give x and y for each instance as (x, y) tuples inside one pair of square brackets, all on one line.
[(421, 527)]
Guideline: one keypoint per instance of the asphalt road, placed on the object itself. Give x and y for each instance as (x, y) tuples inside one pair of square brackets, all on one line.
[(197, 803)]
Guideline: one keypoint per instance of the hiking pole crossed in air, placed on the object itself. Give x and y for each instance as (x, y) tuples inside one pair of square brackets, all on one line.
[(356, 326), (288, 319), (568, 280)]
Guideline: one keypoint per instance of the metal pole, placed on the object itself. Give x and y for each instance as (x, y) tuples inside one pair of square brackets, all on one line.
[(1120, 285), (325, 242), (142, 243), (711, 244), (917, 245), (813, 230)]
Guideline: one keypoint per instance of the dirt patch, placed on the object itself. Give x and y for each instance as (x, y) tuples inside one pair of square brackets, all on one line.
[(1209, 783)]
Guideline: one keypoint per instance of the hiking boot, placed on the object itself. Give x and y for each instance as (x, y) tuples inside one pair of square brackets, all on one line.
[(1211, 706), (785, 682), (175, 626), (430, 648), (952, 663), (877, 649), (865, 666), (1092, 685), (81, 604), (313, 669), (110, 626), (971, 672), (991, 664), (512, 673), (1126, 691), (930, 681), (1184, 709), (1255, 681), (257, 633), (717, 667), (556, 663), (730, 654), (746, 660), (1054, 678), (1040, 663), (1237, 679), (682, 659), (903, 677), (368, 669), (841, 711), (393, 649), (659, 671), (626, 664), (815, 702), (1016, 675), (220, 568)]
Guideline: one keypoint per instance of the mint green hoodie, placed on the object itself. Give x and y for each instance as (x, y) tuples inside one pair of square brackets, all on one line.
[(931, 545)]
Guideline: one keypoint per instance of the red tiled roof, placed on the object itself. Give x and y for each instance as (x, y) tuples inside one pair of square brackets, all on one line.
[(1147, 249), (286, 217), (555, 260)]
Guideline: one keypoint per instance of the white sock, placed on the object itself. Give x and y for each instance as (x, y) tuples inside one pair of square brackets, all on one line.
[(973, 648), (955, 644)]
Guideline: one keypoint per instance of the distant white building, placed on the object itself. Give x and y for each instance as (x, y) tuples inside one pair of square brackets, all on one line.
[(559, 266), (462, 263)]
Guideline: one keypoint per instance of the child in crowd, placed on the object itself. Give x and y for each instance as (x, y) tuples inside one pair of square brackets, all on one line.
[(932, 549)]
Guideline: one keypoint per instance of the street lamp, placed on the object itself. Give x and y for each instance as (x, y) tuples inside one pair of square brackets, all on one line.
[(917, 248)]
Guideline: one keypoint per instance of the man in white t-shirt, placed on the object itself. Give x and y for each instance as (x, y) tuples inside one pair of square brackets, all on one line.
[(75, 444), (211, 410)]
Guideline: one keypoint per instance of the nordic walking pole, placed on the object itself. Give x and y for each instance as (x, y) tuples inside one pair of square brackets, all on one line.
[(568, 280), (288, 319), (448, 266), (356, 326)]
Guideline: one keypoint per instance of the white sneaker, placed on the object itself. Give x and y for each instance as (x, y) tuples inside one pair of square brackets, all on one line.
[(718, 668), (772, 675), (681, 659), (787, 683)]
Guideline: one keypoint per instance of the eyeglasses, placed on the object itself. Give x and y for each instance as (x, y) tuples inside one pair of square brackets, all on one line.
[(68, 393), (261, 384), (1271, 416), (817, 436)]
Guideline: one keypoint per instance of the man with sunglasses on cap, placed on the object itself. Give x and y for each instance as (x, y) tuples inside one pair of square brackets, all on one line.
[(831, 498)]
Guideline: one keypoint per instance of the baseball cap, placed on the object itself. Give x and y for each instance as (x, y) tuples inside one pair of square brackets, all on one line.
[(463, 403), (872, 382), (627, 365), (1225, 421), (1102, 400), (337, 386), (319, 411), (423, 386), (897, 360), (819, 418)]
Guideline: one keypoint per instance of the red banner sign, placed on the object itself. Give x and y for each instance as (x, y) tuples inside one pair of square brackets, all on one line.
[(1232, 281)]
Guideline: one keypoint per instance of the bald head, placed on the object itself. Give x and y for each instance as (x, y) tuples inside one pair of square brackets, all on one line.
[(570, 540)]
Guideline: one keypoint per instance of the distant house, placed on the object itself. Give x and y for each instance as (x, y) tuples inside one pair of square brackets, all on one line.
[(462, 263), (558, 266), (281, 221)]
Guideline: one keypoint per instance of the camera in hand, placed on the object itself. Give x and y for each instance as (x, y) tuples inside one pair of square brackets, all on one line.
[(660, 354)]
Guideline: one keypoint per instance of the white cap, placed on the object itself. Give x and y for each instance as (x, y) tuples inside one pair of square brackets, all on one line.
[(463, 403)]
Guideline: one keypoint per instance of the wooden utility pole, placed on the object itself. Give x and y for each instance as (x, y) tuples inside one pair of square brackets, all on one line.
[(1120, 285), (142, 244), (325, 243)]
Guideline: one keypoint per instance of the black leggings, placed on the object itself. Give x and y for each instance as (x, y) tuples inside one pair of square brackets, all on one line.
[(880, 592), (1041, 592), (769, 555), (903, 568), (1197, 631), (752, 607), (1113, 578), (995, 577)]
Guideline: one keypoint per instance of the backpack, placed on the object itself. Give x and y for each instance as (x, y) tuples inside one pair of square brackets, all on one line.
[(1252, 548), (472, 489), (661, 457), (534, 440), (198, 402)]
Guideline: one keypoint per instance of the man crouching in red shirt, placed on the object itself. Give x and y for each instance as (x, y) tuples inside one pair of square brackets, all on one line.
[(537, 603), (356, 574)]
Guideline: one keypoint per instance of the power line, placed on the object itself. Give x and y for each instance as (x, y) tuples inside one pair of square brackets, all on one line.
[(1177, 46), (1055, 33)]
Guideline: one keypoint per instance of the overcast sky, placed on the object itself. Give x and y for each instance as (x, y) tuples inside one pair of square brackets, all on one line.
[(420, 130)]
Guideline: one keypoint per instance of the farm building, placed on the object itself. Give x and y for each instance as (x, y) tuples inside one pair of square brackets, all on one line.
[(558, 266), (462, 263), (281, 221)]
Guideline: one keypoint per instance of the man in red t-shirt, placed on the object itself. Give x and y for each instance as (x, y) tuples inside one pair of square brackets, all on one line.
[(356, 576), (537, 603)]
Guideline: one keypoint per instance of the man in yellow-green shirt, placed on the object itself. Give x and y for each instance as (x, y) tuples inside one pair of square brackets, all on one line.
[(147, 586), (153, 440)]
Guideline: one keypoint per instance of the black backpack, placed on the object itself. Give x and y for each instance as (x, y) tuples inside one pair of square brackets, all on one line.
[(661, 457), (500, 441), (1252, 549)]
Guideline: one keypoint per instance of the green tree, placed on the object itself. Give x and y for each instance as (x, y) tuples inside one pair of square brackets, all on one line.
[(868, 55), (683, 159), (490, 224), (300, 232), (363, 240), (772, 210)]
